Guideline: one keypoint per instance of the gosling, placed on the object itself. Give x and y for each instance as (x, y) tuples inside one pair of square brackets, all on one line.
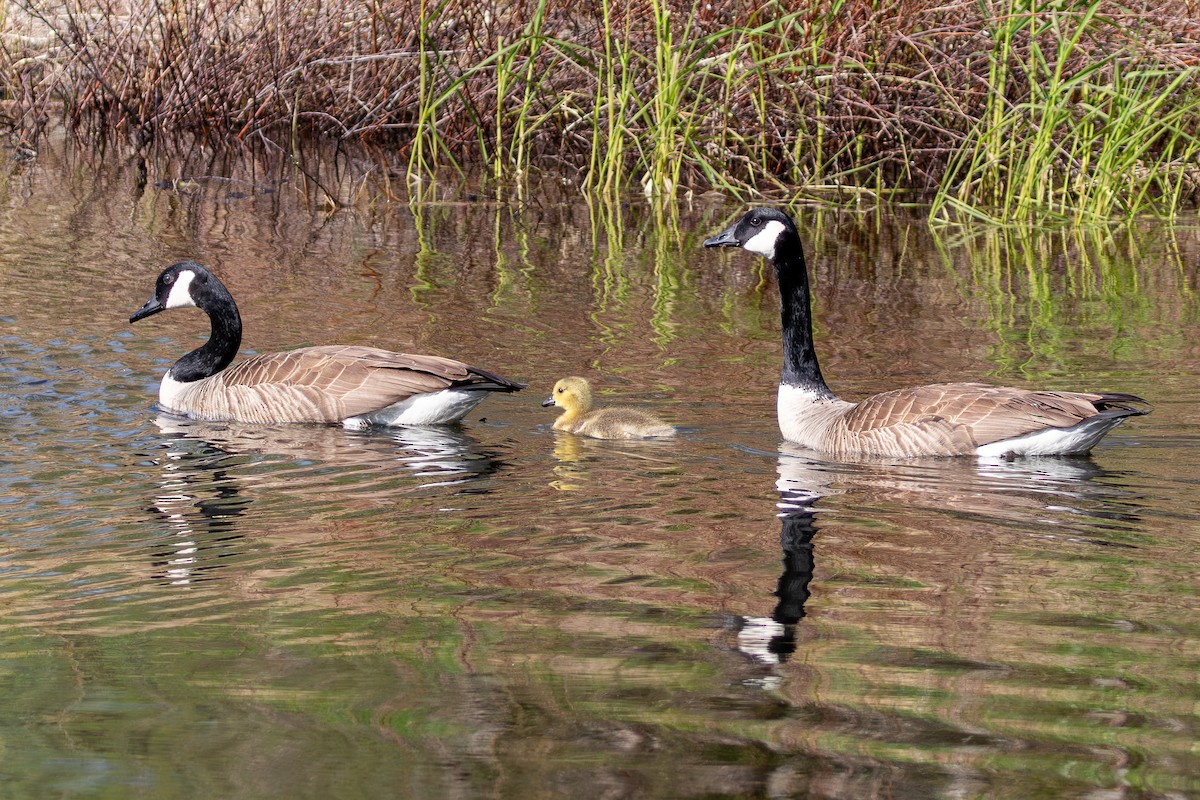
[(574, 396)]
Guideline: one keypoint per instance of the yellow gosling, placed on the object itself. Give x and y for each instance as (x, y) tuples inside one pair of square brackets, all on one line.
[(574, 396)]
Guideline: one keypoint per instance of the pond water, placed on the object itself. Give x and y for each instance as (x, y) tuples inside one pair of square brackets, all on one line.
[(203, 610)]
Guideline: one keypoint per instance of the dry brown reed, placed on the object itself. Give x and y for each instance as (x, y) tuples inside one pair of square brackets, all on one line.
[(875, 96)]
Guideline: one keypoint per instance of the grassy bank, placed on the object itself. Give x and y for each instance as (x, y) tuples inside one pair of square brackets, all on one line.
[(1007, 109)]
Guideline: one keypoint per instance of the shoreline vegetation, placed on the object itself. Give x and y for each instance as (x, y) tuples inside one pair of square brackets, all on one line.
[(999, 110)]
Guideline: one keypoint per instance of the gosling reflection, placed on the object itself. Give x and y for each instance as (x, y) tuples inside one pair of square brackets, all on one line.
[(572, 454), (568, 452)]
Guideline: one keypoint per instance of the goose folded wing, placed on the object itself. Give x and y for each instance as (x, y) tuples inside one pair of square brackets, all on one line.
[(354, 380), (990, 413)]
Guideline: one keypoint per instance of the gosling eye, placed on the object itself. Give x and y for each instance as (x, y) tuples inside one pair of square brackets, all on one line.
[(561, 390)]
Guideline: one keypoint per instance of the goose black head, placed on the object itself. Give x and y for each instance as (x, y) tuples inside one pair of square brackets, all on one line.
[(178, 286), (759, 231)]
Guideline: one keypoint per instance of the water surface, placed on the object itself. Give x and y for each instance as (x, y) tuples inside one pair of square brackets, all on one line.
[(197, 609)]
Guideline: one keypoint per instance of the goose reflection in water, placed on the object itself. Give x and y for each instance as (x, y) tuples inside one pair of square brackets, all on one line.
[(1063, 500), (440, 456), (204, 491), (771, 640), (198, 502)]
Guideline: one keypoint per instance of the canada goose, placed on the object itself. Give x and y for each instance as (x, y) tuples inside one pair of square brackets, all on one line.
[(351, 385), (946, 419), (574, 396)]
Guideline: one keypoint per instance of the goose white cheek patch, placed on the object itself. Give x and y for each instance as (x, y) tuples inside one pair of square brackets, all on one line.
[(181, 295), (763, 242)]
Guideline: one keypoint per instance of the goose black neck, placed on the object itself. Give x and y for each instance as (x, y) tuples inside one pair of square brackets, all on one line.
[(800, 367), (219, 351)]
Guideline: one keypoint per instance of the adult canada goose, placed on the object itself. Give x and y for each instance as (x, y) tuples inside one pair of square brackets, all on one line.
[(351, 385), (946, 419), (574, 396)]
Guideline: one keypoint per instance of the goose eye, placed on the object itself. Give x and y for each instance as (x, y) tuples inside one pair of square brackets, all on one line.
[(168, 279), (755, 221)]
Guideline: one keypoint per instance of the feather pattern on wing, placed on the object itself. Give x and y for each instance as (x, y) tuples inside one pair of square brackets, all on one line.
[(324, 384), (953, 418)]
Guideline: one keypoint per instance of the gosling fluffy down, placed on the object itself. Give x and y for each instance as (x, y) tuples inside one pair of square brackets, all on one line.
[(574, 396)]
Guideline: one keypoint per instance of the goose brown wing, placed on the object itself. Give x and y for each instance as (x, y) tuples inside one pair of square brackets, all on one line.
[(990, 413), (350, 380)]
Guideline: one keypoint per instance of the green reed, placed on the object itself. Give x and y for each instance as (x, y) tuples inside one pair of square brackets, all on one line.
[(426, 141), (681, 84), (1091, 138), (1077, 109), (526, 121), (612, 66), (665, 121)]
